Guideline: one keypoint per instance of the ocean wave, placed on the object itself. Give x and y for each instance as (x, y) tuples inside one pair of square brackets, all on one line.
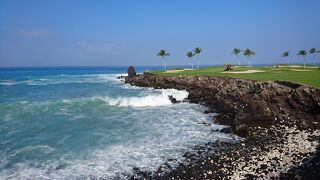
[(96, 136), (149, 100), (65, 79), (43, 148), (9, 82), (173, 131), (155, 97)]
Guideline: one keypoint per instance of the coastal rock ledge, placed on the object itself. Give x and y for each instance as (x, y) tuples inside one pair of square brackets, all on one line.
[(244, 103), (279, 120)]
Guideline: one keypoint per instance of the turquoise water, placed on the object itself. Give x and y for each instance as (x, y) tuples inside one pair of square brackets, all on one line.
[(75, 123)]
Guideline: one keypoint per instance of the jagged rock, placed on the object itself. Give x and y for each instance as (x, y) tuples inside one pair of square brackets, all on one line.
[(226, 130), (289, 84), (270, 115), (206, 112), (131, 71), (242, 129), (251, 103), (121, 77), (173, 100)]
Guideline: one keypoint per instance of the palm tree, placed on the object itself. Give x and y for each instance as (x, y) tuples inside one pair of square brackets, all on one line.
[(303, 53), (236, 51), (197, 51), (163, 54), (190, 55), (285, 55), (314, 52), (248, 53)]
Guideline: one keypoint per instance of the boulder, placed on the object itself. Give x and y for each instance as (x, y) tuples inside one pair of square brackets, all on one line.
[(242, 130), (131, 71), (173, 100), (226, 130)]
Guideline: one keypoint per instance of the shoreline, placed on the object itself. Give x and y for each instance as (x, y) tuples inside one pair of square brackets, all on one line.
[(279, 121)]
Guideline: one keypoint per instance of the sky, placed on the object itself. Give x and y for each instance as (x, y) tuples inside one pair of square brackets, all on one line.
[(131, 32)]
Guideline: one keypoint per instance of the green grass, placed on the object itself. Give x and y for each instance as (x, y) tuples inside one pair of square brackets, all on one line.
[(311, 77)]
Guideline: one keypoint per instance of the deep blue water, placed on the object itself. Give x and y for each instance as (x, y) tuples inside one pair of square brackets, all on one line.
[(82, 122)]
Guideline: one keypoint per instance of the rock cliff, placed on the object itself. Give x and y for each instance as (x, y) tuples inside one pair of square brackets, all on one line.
[(244, 104)]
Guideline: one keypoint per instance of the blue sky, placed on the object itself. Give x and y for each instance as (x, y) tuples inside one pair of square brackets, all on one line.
[(131, 32)]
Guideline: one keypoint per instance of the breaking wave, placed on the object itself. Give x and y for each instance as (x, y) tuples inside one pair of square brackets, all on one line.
[(149, 100), (98, 128), (64, 79)]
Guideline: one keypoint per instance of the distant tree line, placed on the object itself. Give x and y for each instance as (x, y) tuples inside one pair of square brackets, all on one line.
[(248, 53), (303, 53)]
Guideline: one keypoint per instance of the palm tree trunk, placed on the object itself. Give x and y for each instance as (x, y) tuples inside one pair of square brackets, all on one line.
[(198, 61), (191, 63), (239, 63), (314, 59), (304, 62), (165, 66)]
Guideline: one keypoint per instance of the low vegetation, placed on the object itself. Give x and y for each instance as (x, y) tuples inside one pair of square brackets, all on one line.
[(309, 75)]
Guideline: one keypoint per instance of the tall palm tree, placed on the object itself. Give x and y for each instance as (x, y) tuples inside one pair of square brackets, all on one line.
[(314, 52), (237, 51), (190, 55), (248, 53), (197, 51), (163, 54), (303, 53), (285, 55)]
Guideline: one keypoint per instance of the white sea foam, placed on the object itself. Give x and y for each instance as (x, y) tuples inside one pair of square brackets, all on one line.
[(43, 148), (149, 100), (144, 137), (65, 79), (9, 83), (170, 132)]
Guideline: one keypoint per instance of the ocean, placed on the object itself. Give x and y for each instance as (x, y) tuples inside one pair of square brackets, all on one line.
[(84, 123)]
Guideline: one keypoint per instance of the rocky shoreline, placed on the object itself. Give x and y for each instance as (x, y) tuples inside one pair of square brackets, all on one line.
[(280, 123)]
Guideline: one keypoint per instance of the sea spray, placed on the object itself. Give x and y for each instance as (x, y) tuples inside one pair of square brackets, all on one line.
[(78, 125), (149, 100)]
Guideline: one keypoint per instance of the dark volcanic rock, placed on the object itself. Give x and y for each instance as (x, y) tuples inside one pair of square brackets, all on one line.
[(243, 104), (131, 71), (280, 121), (173, 100), (289, 84), (226, 130), (121, 77)]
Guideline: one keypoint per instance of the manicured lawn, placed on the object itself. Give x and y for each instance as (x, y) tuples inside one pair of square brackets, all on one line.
[(288, 73)]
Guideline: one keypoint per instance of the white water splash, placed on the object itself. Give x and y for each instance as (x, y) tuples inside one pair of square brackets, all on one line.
[(150, 100)]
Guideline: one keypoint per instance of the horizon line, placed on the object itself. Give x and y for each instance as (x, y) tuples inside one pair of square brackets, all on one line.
[(109, 66)]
